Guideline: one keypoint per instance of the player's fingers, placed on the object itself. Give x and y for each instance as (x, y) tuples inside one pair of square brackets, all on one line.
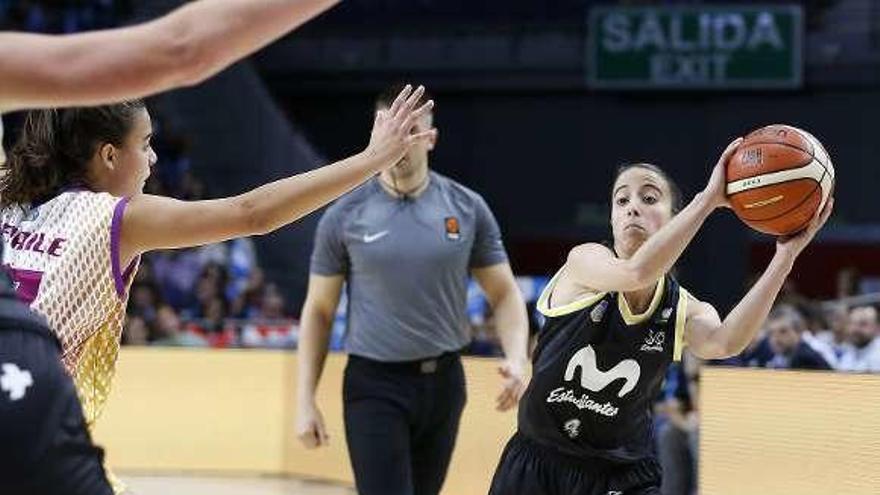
[(323, 437), (411, 120), (381, 116), (309, 438), (400, 100), (829, 207), (733, 146), (422, 136), (820, 217), (509, 396), (730, 150), (824, 214), (504, 371), (411, 102), (422, 110), (509, 401), (520, 390)]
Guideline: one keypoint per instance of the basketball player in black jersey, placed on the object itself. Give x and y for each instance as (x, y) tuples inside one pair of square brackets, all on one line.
[(615, 321)]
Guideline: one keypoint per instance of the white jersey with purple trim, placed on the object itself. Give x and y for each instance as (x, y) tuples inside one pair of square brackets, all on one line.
[(63, 256)]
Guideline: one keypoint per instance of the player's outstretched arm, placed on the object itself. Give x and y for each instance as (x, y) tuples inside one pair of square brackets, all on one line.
[(182, 48), (597, 268), (710, 338), (154, 222)]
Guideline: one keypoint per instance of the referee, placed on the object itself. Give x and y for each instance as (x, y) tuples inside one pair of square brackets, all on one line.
[(404, 245)]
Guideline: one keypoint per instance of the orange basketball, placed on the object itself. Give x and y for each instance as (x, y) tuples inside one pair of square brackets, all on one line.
[(778, 178)]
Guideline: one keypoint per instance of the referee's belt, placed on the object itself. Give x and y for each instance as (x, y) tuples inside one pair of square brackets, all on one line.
[(424, 366)]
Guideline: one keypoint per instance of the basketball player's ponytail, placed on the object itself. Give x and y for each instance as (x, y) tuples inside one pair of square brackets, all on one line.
[(56, 146)]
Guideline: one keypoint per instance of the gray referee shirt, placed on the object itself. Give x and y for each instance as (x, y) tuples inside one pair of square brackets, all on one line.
[(406, 263)]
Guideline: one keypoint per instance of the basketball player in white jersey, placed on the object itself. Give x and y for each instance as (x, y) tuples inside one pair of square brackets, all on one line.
[(182, 48), (74, 221)]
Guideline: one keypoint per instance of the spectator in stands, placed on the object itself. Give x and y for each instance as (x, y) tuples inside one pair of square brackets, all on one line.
[(272, 307), (814, 322), (177, 273), (250, 299), (136, 331), (144, 301), (785, 329), (209, 287), (864, 354), (269, 328), (169, 330), (213, 326), (215, 315), (836, 337), (848, 281)]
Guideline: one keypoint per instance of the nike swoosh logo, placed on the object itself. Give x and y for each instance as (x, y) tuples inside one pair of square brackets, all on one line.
[(371, 238)]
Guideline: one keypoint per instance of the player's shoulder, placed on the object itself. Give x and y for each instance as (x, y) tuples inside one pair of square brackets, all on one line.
[(695, 305), (585, 251), (87, 194), (89, 198)]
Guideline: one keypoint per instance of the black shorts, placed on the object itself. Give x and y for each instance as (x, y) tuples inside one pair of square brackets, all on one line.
[(45, 446), (528, 468)]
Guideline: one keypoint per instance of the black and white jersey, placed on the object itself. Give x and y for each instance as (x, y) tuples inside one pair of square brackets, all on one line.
[(597, 370)]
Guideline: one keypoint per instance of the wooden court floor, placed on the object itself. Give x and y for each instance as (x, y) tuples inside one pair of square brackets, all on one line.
[(141, 484)]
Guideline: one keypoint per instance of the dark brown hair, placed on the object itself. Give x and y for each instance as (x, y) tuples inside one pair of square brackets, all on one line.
[(56, 146), (675, 192)]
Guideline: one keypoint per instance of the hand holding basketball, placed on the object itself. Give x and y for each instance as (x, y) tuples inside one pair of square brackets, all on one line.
[(779, 178), (793, 245), (716, 189)]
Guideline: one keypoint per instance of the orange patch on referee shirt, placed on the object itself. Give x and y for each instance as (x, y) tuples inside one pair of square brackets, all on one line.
[(453, 230)]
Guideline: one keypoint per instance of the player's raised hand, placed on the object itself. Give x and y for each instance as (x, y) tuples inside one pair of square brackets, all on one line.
[(792, 245), (393, 128), (716, 189)]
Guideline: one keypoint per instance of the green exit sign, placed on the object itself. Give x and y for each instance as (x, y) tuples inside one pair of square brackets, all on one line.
[(696, 47)]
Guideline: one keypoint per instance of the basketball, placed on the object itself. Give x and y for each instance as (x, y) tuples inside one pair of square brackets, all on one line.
[(778, 178)]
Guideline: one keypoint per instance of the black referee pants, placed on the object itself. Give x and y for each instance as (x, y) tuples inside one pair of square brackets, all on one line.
[(401, 421)]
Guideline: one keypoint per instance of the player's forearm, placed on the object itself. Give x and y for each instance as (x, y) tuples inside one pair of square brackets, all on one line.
[(314, 340), (661, 251), (223, 31), (279, 203), (513, 326), (182, 48), (745, 320)]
